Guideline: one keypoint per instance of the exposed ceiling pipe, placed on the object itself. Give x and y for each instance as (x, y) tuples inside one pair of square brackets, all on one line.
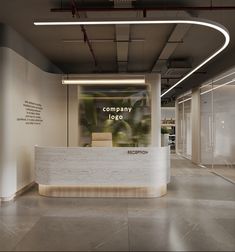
[(145, 9), (75, 12)]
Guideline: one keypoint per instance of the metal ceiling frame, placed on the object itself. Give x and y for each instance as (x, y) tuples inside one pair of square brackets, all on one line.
[(194, 21), (75, 13), (145, 9)]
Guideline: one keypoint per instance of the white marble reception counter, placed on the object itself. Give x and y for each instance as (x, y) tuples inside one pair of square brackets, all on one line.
[(102, 171)]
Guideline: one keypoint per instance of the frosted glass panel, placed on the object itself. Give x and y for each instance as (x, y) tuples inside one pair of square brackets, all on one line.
[(224, 126), (184, 124), (122, 111)]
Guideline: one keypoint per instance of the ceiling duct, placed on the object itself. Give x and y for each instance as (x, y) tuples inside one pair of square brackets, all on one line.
[(177, 68), (173, 42), (177, 71), (122, 39)]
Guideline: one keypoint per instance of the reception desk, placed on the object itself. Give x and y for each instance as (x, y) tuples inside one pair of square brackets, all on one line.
[(102, 171)]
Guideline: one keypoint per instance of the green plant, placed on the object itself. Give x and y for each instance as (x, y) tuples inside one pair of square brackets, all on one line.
[(165, 130)]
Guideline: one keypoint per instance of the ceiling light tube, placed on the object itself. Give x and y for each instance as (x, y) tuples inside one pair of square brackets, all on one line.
[(226, 83), (188, 99), (185, 94), (214, 81), (205, 23), (102, 81)]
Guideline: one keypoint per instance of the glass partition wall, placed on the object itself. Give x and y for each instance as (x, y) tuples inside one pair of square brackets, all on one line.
[(218, 138), (216, 112)]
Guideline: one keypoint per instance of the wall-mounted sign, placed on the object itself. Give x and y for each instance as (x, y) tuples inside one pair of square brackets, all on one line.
[(32, 114)]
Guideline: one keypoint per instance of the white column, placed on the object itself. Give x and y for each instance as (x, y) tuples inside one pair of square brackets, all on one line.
[(177, 122), (196, 126), (154, 80)]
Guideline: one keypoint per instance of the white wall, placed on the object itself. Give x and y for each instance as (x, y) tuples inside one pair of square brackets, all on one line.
[(20, 80)]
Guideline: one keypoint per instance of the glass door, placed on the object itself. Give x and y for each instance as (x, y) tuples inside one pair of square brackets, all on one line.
[(207, 125), (184, 124), (223, 127)]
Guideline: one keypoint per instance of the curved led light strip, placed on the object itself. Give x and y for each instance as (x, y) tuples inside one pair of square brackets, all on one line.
[(205, 23)]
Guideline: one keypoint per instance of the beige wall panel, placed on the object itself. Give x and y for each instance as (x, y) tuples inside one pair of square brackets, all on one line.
[(21, 81)]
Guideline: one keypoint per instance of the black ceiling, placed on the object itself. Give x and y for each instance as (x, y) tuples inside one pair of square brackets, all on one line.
[(65, 47)]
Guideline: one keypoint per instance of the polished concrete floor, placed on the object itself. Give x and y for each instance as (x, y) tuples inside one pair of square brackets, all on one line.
[(198, 214), (225, 171)]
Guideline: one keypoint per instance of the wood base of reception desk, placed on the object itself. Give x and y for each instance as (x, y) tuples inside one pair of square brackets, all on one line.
[(86, 191)]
